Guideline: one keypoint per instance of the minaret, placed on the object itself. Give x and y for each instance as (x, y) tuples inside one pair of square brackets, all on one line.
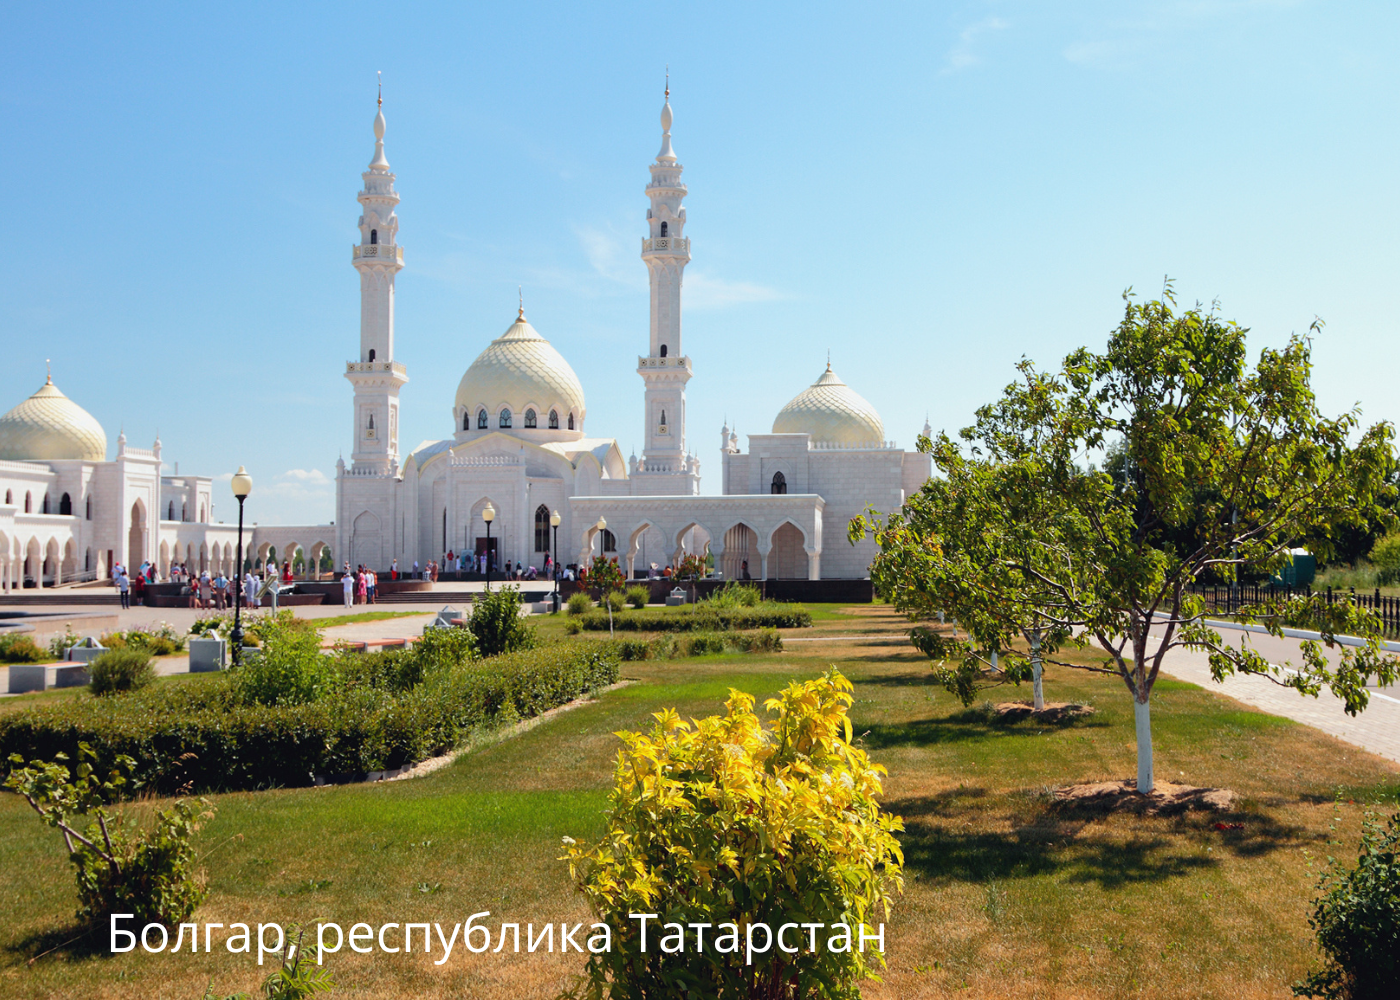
[(376, 376), (666, 369)]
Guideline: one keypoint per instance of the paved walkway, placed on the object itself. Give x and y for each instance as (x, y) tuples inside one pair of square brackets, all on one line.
[(1377, 729)]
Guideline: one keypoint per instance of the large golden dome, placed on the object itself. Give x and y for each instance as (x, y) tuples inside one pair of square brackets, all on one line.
[(832, 414), (520, 370), (49, 425)]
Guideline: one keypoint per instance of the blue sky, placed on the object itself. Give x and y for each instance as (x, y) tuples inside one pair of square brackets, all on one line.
[(928, 191)]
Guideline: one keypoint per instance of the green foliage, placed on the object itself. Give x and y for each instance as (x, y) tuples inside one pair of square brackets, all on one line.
[(734, 595), (60, 644), (204, 735), (496, 623), (703, 618), (691, 568), (295, 977), (604, 575), (1223, 470), (726, 821), (579, 603), (287, 669), (614, 601), (118, 670), (1357, 920), (638, 596), (150, 873), (20, 649), (160, 639), (667, 646), (704, 643), (1385, 556)]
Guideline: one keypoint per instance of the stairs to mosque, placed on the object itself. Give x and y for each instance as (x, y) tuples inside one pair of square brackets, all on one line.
[(428, 597)]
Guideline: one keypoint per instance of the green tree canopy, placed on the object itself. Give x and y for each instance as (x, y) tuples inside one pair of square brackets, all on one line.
[(1223, 470)]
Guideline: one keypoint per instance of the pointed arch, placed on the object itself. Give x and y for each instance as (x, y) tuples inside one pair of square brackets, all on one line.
[(65, 505), (554, 420), (530, 420), (778, 484), (483, 422)]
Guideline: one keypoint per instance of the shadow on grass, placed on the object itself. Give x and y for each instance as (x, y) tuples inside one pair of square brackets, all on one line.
[(73, 941), (969, 724)]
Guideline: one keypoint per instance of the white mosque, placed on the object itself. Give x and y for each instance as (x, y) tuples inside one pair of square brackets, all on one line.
[(518, 446)]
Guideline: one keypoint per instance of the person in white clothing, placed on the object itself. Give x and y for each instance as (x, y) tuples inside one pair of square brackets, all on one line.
[(347, 586)]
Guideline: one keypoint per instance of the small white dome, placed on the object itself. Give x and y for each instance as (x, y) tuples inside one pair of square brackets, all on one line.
[(831, 413), (521, 369), (49, 425)]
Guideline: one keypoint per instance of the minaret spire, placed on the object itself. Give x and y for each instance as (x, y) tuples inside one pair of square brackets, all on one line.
[(666, 467)]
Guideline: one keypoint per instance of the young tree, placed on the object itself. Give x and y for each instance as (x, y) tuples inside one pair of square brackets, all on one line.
[(1226, 469), (606, 576)]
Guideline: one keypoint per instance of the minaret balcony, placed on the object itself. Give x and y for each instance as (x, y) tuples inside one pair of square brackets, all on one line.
[(664, 364), (383, 251), (376, 368), (667, 244)]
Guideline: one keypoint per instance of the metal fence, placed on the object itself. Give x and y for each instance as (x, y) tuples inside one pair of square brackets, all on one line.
[(1226, 599)]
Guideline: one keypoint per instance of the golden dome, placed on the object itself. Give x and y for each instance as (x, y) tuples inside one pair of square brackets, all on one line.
[(49, 426), (831, 413), (521, 369)]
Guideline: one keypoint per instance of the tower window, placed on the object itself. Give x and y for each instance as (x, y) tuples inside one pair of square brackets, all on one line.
[(373, 237), (466, 420), (170, 511), (663, 350), (779, 484), (505, 418), (571, 421), (663, 421), (65, 504), (554, 420), (482, 420), (663, 229), (541, 528), (89, 508), (529, 418), (29, 503), (9, 497), (45, 508), (371, 353)]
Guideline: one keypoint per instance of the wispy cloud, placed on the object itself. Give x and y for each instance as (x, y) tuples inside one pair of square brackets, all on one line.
[(612, 255), (963, 55), (705, 292), (1120, 43)]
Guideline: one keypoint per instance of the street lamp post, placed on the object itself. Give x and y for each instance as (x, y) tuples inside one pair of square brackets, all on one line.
[(488, 515), (242, 485), (554, 520), (603, 551)]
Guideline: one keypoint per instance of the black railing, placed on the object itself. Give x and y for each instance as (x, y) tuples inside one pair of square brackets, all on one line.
[(1228, 598)]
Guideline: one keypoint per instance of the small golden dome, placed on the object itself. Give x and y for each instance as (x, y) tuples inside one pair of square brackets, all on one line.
[(831, 413), (521, 369), (50, 426)]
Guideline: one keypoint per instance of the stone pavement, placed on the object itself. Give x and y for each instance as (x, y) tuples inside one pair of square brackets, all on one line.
[(1377, 729)]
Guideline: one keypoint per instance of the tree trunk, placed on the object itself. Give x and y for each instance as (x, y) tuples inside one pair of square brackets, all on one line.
[(1142, 715), (1036, 687)]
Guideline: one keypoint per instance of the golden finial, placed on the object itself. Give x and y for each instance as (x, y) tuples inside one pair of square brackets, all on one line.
[(380, 74), (828, 359), (520, 290), (48, 372)]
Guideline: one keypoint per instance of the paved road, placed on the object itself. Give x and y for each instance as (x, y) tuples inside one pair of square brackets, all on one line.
[(1377, 729)]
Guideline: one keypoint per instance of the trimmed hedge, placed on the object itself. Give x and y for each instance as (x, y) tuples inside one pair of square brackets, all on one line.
[(701, 619), (196, 736)]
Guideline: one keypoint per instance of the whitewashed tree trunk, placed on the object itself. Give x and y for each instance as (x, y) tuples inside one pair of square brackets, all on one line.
[(1142, 716), (1036, 687)]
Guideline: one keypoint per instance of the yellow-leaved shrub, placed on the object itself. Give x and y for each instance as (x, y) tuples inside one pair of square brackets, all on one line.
[(726, 821)]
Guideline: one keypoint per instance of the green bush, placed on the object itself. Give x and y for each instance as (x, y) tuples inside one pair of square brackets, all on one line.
[(60, 644), (204, 735), (734, 595), (777, 825), (20, 649), (634, 649), (614, 601), (1357, 920), (579, 603), (287, 669), (121, 868), (159, 640), (497, 625), (764, 640), (702, 618), (1385, 556), (118, 670), (704, 643), (638, 596)]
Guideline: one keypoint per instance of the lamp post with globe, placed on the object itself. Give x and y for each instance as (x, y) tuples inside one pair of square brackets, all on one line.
[(554, 520), (242, 485), (488, 515)]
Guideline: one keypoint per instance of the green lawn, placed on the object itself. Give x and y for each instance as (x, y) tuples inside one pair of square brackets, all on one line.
[(1006, 896)]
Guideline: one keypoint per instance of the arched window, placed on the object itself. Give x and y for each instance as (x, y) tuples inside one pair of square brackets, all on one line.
[(779, 484), (170, 513), (663, 350), (65, 505), (88, 513), (371, 353), (482, 420), (571, 421), (609, 541), (373, 237), (663, 421), (541, 528), (185, 508), (554, 420), (466, 420), (44, 509), (529, 418), (663, 229), (9, 497), (28, 503), (505, 418)]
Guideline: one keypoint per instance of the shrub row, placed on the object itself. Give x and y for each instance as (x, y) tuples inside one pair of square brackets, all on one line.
[(699, 619), (199, 736), (668, 647)]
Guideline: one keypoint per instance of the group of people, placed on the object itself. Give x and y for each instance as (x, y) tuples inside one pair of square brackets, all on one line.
[(205, 590), (362, 586)]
